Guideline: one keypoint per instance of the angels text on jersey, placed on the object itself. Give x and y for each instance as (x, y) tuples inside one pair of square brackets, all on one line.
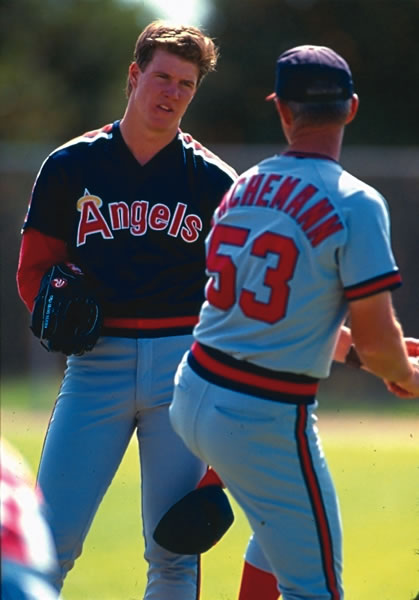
[(95, 218)]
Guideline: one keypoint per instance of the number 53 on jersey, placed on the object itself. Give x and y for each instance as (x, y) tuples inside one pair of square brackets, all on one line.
[(222, 289)]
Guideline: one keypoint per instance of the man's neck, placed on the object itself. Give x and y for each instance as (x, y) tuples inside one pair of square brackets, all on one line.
[(143, 143), (324, 141)]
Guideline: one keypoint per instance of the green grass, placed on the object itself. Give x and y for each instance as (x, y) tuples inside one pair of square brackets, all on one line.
[(375, 465), (376, 473)]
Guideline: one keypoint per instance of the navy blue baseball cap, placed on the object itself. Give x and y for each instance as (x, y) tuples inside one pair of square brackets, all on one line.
[(312, 74), (196, 522)]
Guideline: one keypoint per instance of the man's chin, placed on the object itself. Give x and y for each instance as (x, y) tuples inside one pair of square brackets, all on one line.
[(165, 124)]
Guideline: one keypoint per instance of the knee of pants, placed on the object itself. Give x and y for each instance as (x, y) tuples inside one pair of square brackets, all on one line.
[(159, 558), (168, 571), (67, 553)]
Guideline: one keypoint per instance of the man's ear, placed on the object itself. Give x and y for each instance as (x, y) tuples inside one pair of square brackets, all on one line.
[(133, 73), (354, 109)]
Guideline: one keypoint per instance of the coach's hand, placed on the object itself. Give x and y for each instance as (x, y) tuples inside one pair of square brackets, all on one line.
[(411, 388)]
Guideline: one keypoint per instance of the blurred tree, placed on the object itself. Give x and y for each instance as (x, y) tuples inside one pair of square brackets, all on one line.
[(378, 38), (62, 65)]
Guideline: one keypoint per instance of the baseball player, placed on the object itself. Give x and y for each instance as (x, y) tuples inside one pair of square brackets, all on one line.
[(129, 206), (297, 245)]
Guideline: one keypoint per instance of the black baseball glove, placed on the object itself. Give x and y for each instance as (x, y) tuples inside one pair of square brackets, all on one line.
[(66, 316)]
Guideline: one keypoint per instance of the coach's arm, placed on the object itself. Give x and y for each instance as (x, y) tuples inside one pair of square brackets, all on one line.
[(378, 339)]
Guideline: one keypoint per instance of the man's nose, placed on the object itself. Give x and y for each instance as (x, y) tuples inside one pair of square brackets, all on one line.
[(173, 90)]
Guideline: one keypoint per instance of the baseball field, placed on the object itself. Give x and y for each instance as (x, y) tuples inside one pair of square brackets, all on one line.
[(375, 464)]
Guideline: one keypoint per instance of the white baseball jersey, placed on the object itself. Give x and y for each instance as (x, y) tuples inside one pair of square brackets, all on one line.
[(294, 240)]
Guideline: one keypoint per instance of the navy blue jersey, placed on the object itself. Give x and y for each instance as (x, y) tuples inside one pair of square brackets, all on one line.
[(137, 231)]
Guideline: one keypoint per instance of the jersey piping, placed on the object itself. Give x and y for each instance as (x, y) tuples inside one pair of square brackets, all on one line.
[(241, 376)]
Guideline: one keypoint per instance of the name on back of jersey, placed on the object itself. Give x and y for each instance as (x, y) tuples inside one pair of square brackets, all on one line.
[(278, 192)]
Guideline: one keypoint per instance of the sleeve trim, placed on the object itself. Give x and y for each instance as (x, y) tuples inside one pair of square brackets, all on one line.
[(387, 281)]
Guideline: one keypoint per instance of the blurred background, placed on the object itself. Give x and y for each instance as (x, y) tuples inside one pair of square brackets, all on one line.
[(63, 67)]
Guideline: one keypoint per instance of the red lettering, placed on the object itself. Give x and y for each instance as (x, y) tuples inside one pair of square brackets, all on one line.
[(177, 219), (314, 214), (119, 213), (191, 228), (251, 190), (159, 217), (300, 199), (267, 189), (139, 210), (324, 230), (138, 218), (284, 192), (91, 220)]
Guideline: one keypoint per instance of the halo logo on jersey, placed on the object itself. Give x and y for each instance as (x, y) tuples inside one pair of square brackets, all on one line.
[(138, 217)]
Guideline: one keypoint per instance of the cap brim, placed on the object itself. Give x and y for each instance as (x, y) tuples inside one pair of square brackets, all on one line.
[(271, 96)]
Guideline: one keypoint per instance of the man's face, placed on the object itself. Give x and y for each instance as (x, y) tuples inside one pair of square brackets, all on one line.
[(162, 92)]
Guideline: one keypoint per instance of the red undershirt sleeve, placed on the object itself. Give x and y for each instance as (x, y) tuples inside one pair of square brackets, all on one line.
[(38, 252)]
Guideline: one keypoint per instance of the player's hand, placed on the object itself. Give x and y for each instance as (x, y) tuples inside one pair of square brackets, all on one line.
[(410, 387)]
